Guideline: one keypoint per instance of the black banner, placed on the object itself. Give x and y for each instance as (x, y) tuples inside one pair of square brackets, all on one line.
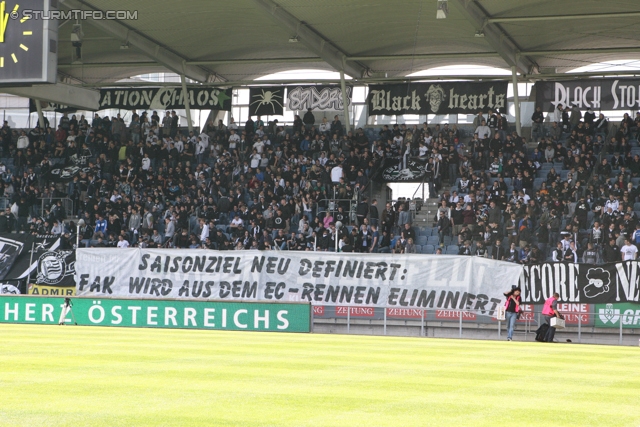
[(437, 98), (393, 170), (56, 268), (266, 101), (47, 265), (50, 106), (322, 98), (10, 249), (597, 94), (165, 98), (582, 283), (65, 174)]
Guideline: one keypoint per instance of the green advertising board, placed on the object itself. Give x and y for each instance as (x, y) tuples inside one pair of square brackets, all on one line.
[(611, 315), (183, 314)]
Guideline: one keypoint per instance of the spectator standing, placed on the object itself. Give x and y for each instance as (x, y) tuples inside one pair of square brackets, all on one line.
[(512, 309), (444, 227), (590, 255), (629, 252), (309, 120)]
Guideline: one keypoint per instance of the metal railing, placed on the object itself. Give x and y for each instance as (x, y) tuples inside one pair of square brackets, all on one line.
[(618, 326), (333, 204), (39, 207), (67, 203)]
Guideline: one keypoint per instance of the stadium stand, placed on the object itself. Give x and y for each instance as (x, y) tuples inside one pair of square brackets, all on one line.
[(262, 187)]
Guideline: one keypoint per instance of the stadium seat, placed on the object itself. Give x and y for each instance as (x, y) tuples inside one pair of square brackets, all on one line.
[(433, 240), (421, 240), (537, 183), (452, 250), (429, 249), (447, 240)]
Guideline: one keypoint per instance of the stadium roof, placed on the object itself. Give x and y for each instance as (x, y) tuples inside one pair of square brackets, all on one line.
[(241, 40)]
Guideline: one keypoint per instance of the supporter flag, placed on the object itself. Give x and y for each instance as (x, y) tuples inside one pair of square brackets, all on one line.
[(47, 265), (51, 107), (10, 249), (266, 101), (393, 170)]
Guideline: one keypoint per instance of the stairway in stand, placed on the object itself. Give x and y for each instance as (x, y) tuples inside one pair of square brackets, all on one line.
[(425, 217)]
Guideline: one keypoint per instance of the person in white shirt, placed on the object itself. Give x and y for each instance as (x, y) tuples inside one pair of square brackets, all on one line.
[(336, 174), (234, 137), (122, 243), (71, 138), (236, 222), (115, 196), (146, 162), (57, 228), (205, 138), (483, 130), (255, 159), (612, 203), (629, 251), (233, 125), (179, 145), (423, 149), (23, 140), (259, 146), (200, 149), (557, 113), (325, 127), (204, 233)]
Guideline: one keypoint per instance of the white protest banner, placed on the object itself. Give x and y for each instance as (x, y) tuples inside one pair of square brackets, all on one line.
[(325, 278)]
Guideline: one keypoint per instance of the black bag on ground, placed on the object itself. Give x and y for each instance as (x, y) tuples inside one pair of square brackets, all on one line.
[(541, 332)]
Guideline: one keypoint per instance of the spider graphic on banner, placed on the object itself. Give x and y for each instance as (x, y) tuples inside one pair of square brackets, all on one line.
[(267, 101)]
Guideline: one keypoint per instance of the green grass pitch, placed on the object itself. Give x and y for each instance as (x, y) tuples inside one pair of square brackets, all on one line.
[(91, 376)]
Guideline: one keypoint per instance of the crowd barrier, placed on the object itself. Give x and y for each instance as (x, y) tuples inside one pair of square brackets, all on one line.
[(593, 323)]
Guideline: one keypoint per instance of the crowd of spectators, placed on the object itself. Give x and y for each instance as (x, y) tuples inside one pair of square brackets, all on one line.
[(146, 183), (571, 196), (568, 196)]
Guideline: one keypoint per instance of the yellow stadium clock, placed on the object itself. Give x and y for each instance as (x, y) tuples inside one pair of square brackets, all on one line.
[(28, 42)]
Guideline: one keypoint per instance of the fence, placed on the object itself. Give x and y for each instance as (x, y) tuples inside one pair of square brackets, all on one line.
[(38, 209), (615, 326), (67, 204)]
